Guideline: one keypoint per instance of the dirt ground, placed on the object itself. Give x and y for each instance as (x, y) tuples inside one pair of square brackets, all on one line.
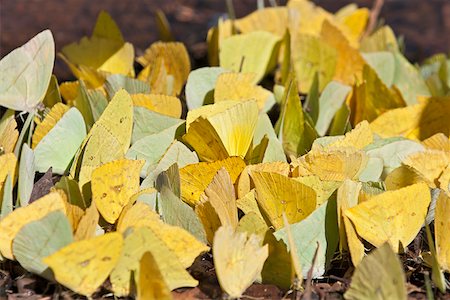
[(423, 23)]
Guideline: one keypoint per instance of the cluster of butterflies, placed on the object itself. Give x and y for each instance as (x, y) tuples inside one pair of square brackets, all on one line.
[(360, 167)]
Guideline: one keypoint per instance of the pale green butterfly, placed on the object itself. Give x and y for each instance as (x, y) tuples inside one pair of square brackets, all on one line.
[(58, 147), (48, 235), (25, 73)]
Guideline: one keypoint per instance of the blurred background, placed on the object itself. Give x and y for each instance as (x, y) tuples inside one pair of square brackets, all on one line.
[(424, 24)]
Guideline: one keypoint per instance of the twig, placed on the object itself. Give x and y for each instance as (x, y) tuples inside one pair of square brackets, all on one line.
[(260, 4), (251, 297), (230, 8), (373, 18), (273, 3), (297, 293), (308, 291), (343, 280), (290, 291), (428, 287)]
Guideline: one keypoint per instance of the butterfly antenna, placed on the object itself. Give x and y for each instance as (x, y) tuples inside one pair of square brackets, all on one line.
[(21, 114), (241, 65)]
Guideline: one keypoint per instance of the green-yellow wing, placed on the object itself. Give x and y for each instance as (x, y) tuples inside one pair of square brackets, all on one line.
[(379, 276), (254, 52), (393, 216), (238, 259), (109, 138), (84, 265), (277, 194)]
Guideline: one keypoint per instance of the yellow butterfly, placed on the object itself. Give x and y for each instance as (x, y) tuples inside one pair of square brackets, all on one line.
[(8, 163), (418, 121), (8, 132), (277, 194), (429, 165), (349, 63), (401, 177), (163, 104), (442, 227), (270, 19), (84, 265), (137, 242), (439, 141), (393, 216), (383, 39), (380, 275), (254, 52), (309, 17), (221, 130), (50, 120), (358, 138), (238, 260), (113, 184), (372, 98), (347, 197), (218, 202), (166, 67), (149, 280), (108, 139), (88, 224), (244, 184), (196, 177), (248, 204), (183, 244), (323, 188), (312, 55), (102, 54), (353, 22), (336, 164), (242, 87)]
